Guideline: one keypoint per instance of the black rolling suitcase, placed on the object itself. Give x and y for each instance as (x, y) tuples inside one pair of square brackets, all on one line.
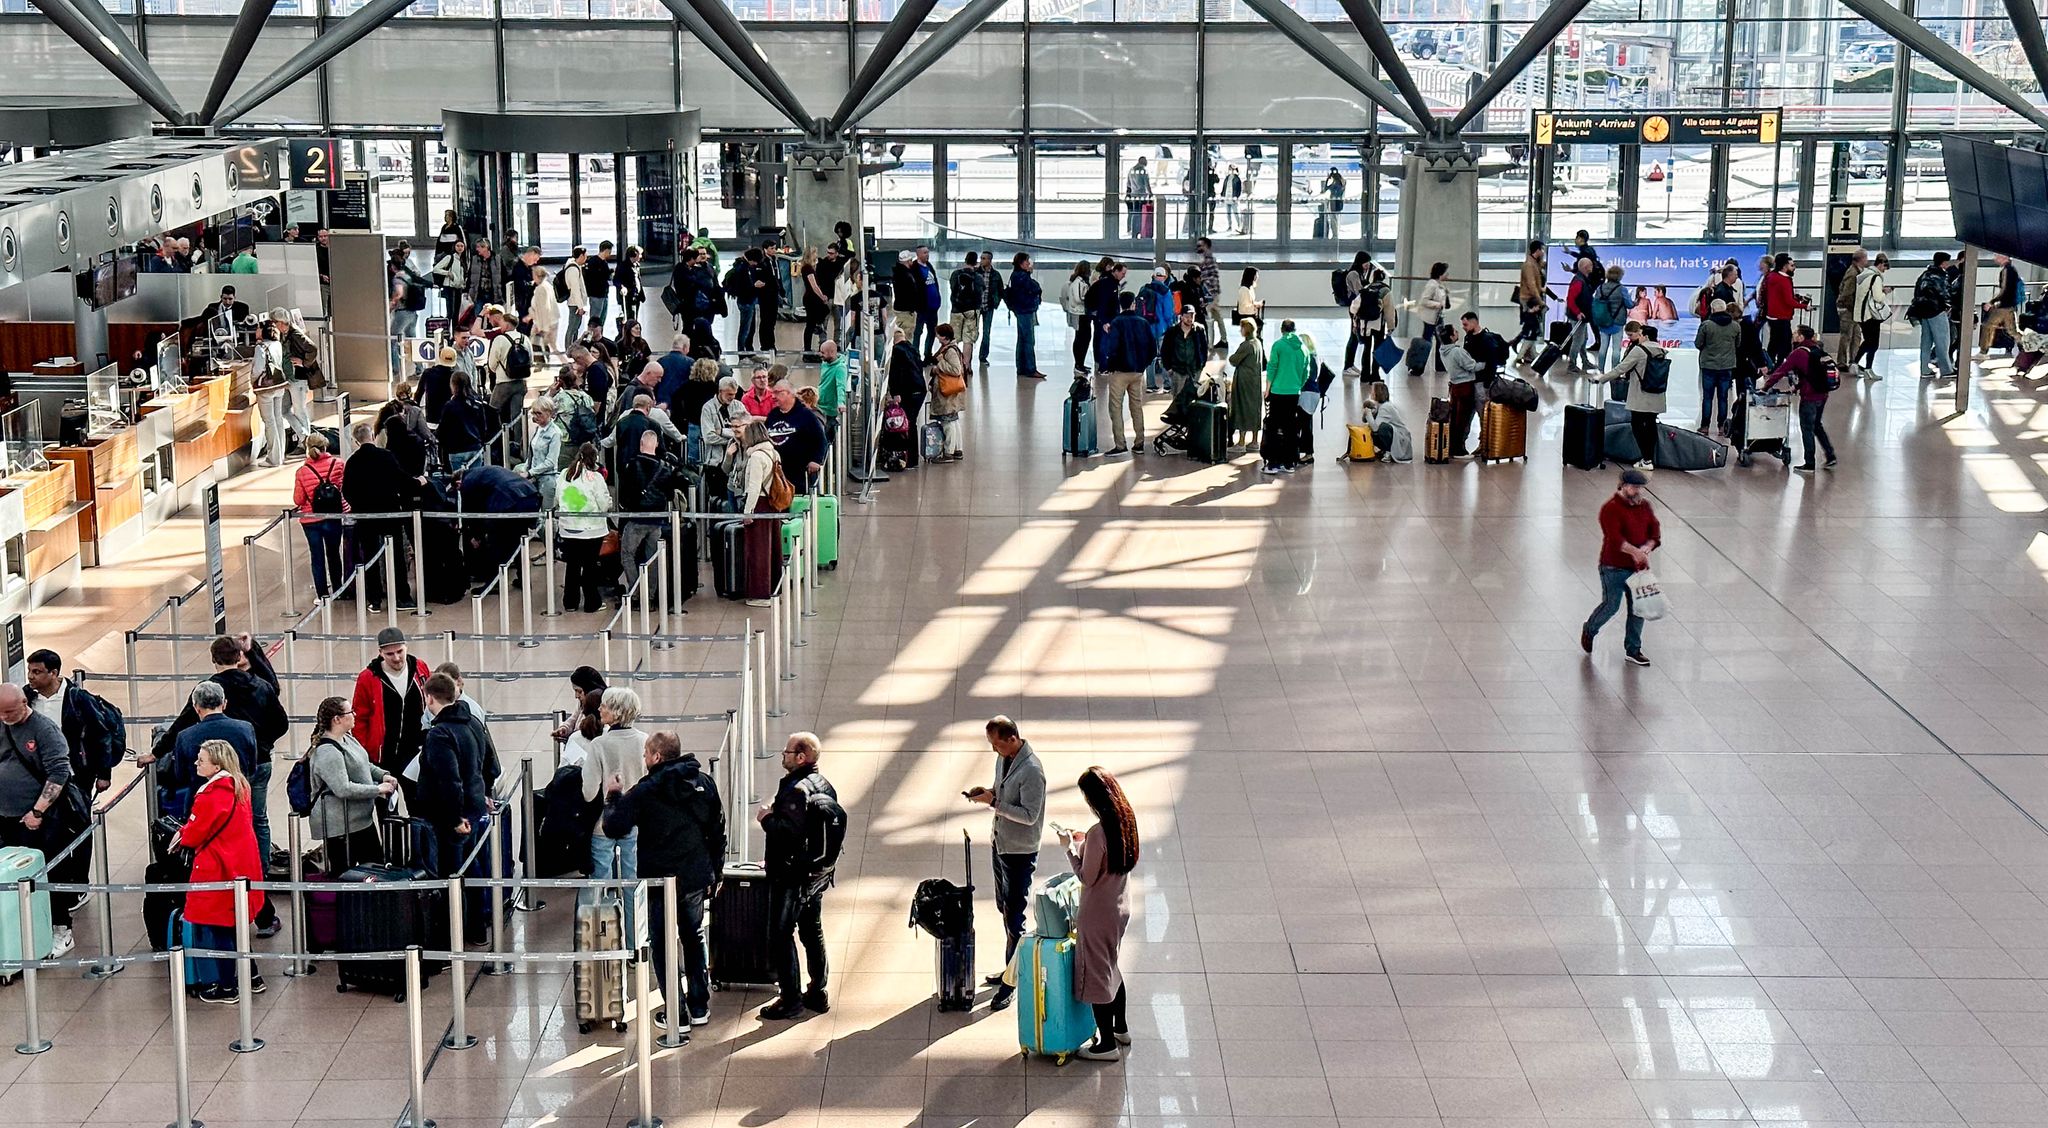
[(1209, 431), (1585, 441), (370, 921), (739, 928), (727, 556), (1548, 358), (946, 911)]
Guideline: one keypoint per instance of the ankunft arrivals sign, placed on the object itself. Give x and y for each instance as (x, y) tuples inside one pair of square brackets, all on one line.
[(1656, 127)]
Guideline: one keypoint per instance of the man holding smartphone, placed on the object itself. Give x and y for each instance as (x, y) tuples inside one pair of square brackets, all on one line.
[(1018, 803)]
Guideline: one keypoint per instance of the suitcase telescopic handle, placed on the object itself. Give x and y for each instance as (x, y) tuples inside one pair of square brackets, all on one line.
[(967, 856)]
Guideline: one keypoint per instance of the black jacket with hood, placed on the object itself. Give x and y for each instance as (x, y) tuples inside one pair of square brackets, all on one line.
[(681, 823)]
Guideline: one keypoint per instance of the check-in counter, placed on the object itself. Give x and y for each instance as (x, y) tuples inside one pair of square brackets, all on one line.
[(126, 477), (40, 521), (208, 431)]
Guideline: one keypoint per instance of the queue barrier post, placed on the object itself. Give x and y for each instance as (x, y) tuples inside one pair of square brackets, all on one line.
[(547, 557), (643, 1042), (419, 567), (668, 592), (362, 599), (245, 1001), (792, 624), (291, 666), (415, 1049), (681, 561), (249, 575), (529, 833), (294, 836), (495, 843), (744, 745), (771, 659), (390, 581), (181, 1045), (476, 622), (134, 690), (647, 572), (177, 630), (108, 965), (459, 1037), (527, 640), (505, 611), (761, 692), (327, 631), (674, 1037), (32, 1040), (291, 595)]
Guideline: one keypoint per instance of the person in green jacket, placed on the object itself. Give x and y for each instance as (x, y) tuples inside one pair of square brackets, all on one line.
[(1286, 374), (703, 241), (831, 385)]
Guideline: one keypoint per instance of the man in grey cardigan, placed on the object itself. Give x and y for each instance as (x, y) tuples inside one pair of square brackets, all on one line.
[(1018, 803)]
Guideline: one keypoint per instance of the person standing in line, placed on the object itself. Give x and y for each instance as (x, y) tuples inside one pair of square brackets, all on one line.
[(805, 827), (1610, 316), (575, 280), (1105, 303), (617, 759), (1355, 280), (927, 279), (35, 777), (375, 480), (2002, 311), (1533, 296), (626, 279), (1430, 306), (1127, 350), (1932, 295), (1644, 405), (1017, 803), (1629, 532), (597, 284), (1849, 340), (1463, 371), (1247, 385), (1103, 856), (817, 299), (1719, 341), (1286, 374), (1211, 275), (1803, 366), (547, 315), (1024, 295), (317, 494), (675, 815), (346, 788), (992, 294), (221, 835), (1074, 303), (451, 793), (966, 285), (584, 499), (1184, 349), (739, 284), (390, 714), (1781, 301), (1873, 307)]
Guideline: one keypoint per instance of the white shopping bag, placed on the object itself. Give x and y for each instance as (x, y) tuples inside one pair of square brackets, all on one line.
[(1647, 595)]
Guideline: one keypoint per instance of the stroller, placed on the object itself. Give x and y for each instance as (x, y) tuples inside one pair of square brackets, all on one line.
[(1176, 438)]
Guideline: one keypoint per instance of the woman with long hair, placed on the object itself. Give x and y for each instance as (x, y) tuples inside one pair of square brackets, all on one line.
[(346, 787), (627, 278), (817, 301), (221, 833), (1104, 856), (1074, 301), (584, 498)]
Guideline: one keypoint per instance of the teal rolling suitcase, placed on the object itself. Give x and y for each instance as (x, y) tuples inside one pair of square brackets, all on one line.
[(1050, 1019), (828, 527), (18, 863)]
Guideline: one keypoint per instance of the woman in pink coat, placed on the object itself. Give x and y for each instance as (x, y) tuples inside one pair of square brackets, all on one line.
[(1103, 856)]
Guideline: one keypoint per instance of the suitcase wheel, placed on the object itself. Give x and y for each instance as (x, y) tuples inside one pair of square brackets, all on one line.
[(582, 1028), (1742, 459), (1061, 1059), (398, 997), (618, 1026), (832, 567), (341, 988)]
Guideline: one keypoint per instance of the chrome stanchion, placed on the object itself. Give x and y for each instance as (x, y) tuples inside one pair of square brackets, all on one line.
[(294, 837), (761, 692), (181, 1044), (327, 630), (671, 988), (151, 804), (527, 641), (529, 833), (32, 1040), (362, 599), (647, 573), (667, 595), (476, 622), (419, 568), (416, 1052), (177, 629), (505, 613), (547, 558), (459, 1037), (107, 965), (134, 687), (291, 597), (643, 1044), (496, 845), (792, 599), (771, 662), (746, 710), (245, 1005), (390, 581), (681, 560), (291, 666), (811, 562), (607, 646), (448, 646), (249, 574)]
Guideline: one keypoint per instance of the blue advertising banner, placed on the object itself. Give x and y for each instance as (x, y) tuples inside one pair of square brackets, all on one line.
[(1661, 280)]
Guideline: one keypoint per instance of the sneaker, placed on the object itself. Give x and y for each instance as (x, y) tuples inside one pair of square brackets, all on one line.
[(994, 979), (817, 1001), (61, 941), (1091, 1052), (219, 993), (1637, 659), (757, 603), (257, 986), (782, 1010), (1803, 468), (83, 900), (1828, 465), (1585, 640), (266, 931), (1645, 464), (1112, 452), (1352, 373), (1123, 1037), (700, 1018)]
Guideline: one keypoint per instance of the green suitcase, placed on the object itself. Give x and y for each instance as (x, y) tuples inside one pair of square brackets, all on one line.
[(828, 527)]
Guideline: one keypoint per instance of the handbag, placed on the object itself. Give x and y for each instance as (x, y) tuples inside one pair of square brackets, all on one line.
[(1387, 354), (1646, 596), (948, 383)]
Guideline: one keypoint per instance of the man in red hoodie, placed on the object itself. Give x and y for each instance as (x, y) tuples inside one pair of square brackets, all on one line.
[(1628, 534), (1782, 302), (390, 718)]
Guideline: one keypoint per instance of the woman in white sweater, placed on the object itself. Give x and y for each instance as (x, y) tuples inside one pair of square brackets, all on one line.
[(761, 540), (615, 761), (584, 499)]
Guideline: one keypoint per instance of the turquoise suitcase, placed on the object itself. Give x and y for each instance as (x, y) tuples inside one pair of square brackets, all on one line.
[(828, 526), (1056, 907), (1050, 1019), (18, 863)]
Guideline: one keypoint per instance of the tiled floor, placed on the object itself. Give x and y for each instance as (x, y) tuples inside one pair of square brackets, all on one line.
[(1411, 859)]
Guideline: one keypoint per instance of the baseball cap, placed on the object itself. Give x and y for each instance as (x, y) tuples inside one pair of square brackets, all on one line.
[(447, 356), (1630, 477), (392, 636)]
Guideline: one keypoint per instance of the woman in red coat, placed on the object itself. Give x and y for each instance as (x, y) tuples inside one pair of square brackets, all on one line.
[(222, 837)]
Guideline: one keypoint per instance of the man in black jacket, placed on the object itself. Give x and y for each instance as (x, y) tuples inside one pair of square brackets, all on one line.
[(2001, 313), (647, 481), (94, 749), (451, 774), (805, 827), (373, 481), (682, 835), (768, 284)]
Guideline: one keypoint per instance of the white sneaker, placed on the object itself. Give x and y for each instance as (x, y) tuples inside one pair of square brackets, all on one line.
[(1351, 372), (1646, 464), (61, 942), (758, 603)]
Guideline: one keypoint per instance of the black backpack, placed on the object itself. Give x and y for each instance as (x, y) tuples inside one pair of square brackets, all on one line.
[(1340, 290), (1488, 348), (518, 361), (581, 423), (562, 285), (1656, 374), (326, 495), (1821, 370), (114, 722)]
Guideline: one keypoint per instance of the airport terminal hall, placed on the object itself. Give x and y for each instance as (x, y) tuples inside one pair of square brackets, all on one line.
[(1023, 564)]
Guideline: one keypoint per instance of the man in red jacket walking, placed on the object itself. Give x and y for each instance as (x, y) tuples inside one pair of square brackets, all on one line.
[(1628, 534)]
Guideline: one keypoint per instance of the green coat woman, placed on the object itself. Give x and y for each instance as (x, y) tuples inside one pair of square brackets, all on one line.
[(1248, 389)]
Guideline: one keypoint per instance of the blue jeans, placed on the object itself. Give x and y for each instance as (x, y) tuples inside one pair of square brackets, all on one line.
[(259, 809), (1610, 349), (988, 322), (1027, 344), (925, 335), (204, 972), (323, 544), (1013, 891), (404, 323), (1613, 592), (694, 935), (748, 312), (606, 853), (794, 913), (1715, 387), (1934, 346), (1811, 428), (460, 460), (599, 307)]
